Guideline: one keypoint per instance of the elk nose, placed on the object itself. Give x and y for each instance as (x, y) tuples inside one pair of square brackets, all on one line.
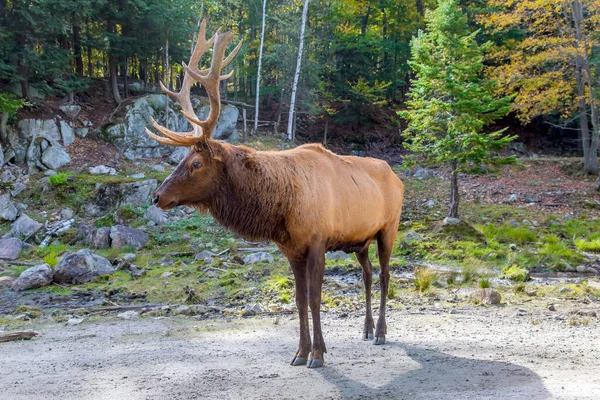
[(156, 199)]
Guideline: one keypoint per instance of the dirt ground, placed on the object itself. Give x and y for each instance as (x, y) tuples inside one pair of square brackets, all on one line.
[(474, 353)]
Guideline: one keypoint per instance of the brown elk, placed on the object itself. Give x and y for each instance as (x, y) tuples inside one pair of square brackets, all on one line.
[(307, 200)]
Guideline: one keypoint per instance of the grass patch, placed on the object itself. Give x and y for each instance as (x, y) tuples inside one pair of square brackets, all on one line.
[(516, 274), (507, 233), (484, 283), (588, 245), (468, 273), (59, 179), (51, 259), (424, 278)]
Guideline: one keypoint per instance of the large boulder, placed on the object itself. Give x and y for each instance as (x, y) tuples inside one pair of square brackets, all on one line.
[(156, 215), (121, 194), (20, 138), (33, 278), (8, 211), (10, 248), (68, 136), (121, 235), (54, 157), (130, 133), (23, 227), (71, 110), (81, 266), (98, 238), (138, 193)]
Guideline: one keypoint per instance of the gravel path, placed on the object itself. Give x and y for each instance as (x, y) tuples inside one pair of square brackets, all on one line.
[(474, 354)]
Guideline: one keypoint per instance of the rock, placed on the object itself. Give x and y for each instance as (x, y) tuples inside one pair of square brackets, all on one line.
[(81, 266), (251, 310), (198, 309), (55, 157), (337, 255), (101, 238), (23, 227), (581, 269), (10, 248), (129, 315), (72, 110), (227, 121), (8, 211), (138, 193), (513, 247), (519, 147), (67, 134), (204, 254), (178, 155), (129, 257), (422, 173), (33, 278), (66, 214), (258, 257), (6, 281), (1, 156), (121, 235), (75, 321), (166, 274), (551, 307), (158, 168), (182, 310), (411, 237), (102, 170), (17, 188), (486, 296), (7, 176), (451, 221), (81, 132), (512, 198), (139, 175), (158, 216), (430, 204), (513, 223), (532, 199), (596, 184)]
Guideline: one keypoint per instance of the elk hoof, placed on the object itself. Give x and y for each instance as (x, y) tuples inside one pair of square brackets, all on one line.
[(314, 363), (298, 361), (367, 336), (379, 340)]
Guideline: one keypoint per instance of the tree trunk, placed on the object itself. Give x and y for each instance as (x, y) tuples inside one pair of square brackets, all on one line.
[(454, 195), (260, 51), (365, 21), (167, 80), (77, 49), (112, 65), (292, 116)]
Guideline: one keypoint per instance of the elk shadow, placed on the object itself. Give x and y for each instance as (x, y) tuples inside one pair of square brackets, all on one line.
[(443, 376)]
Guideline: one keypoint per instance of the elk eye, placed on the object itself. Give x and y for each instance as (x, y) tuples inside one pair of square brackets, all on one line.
[(196, 164)]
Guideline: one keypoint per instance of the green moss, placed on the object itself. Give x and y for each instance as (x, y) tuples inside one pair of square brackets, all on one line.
[(59, 179)]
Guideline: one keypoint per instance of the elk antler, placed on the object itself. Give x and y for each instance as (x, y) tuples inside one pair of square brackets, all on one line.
[(209, 78)]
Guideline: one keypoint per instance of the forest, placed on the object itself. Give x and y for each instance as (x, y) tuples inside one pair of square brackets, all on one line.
[(354, 73)]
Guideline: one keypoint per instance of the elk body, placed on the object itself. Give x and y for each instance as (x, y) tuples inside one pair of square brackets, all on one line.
[(307, 200)]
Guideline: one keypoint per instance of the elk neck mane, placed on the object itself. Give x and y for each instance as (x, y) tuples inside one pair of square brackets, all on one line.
[(255, 193)]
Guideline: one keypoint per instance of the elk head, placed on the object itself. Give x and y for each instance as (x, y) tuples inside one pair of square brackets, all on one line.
[(193, 181)]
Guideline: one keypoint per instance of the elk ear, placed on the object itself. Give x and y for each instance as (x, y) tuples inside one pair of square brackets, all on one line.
[(212, 150)]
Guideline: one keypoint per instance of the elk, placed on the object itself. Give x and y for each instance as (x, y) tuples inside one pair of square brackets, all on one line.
[(307, 200)]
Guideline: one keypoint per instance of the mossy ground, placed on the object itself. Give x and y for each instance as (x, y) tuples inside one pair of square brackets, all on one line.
[(496, 241)]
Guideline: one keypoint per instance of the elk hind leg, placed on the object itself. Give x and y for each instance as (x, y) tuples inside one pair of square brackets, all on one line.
[(385, 245), (300, 276), (363, 258)]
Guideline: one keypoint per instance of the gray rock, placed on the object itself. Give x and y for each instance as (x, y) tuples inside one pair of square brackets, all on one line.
[(532, 199), (182, 310), (7, 176), (138, 193), (139, 175), (55, 157), (451, 221), (72, 110), (251, 310), (66, 214), (519, 147), (513, 223), (121, 235), (581, 269), (227, 121), (129, 257), (337, 255), (412, 237), (430, 204), (158, 168), (1, 156), (178, 154), (23, 227), (129, 315), (204, 254), (198, 309), (67, 134), (75, 321), (17, 189), (487, 296), (8, 211), (422, 173), (81, 132), (49, 172), (102, 170), (10, 248), (101, 238), (6, 281), (158, 216), (512, 198), (33, 278), (81, 266), (258, 257)]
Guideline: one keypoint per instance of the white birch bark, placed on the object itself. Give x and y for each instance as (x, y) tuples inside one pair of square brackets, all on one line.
[(297, 75), (260, 51)]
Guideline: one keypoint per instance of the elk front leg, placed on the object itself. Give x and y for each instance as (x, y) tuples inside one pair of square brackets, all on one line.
[(315, 268), (299, 269), (363, 259), (385, 244)]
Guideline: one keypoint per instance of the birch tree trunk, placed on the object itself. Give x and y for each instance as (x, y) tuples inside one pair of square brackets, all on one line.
[(297, 75), (167, 81), (260, 51)]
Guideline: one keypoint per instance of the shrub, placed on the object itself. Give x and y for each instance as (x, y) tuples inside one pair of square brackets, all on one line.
[(424, 278), (51, 259), (59, 179), (468, 273), (585, 245), (517, 274), (484, 283)]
